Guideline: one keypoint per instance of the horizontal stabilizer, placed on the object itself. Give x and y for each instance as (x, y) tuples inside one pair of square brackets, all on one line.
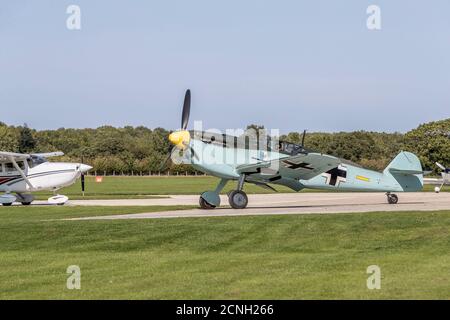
[(405, 171)]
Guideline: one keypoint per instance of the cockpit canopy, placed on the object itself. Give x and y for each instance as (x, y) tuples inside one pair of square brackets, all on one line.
[(249, 142)]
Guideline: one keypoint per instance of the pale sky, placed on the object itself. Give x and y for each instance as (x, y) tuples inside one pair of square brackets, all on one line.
[(289, 65)]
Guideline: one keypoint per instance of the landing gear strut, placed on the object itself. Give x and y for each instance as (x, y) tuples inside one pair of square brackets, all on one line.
[(438, 189), (237, 198), (392, 198)]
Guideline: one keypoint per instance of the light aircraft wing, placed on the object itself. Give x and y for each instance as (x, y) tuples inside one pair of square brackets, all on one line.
[(6, 156), (301, 166), (48, 154)]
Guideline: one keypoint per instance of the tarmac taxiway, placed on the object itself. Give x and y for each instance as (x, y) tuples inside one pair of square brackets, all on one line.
[(280, 203)]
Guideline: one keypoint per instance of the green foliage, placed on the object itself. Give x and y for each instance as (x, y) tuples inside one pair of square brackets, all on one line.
[(431, 142), (8, 138), (26, 140), (139, 149)]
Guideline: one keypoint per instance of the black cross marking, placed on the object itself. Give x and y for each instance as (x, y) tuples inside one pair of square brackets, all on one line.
[(334, 174), (302, 165)]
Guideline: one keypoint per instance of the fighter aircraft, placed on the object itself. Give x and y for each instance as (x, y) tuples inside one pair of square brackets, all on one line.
[(282, 163), (25, 173), (445, 176)]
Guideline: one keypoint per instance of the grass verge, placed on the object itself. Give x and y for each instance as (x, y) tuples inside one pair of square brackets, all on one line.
[(255, 257)]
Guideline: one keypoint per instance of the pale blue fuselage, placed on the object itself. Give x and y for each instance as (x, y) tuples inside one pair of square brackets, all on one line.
[(374, 181), (222, 162)]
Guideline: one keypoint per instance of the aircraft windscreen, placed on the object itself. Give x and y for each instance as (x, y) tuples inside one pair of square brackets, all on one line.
[(35, 160)]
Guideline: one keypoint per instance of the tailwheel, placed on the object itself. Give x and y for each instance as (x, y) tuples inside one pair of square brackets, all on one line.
[(392, 198), (204, 204), (238, 199)]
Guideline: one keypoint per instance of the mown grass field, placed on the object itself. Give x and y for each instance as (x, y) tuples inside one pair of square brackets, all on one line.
[(148, 187), (254, 257)]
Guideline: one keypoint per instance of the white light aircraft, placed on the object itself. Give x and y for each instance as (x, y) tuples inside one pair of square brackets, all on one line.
[(21, 174)]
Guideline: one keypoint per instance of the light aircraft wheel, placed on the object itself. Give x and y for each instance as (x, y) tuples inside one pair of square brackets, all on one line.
[(238, 199), (7, 204), (392, 198), (26, 203), (205, 205)]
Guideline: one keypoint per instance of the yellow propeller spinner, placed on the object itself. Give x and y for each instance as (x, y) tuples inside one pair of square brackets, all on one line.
[(180, 138)]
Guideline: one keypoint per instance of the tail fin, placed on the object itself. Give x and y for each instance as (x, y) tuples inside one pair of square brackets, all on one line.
[(407, 170)]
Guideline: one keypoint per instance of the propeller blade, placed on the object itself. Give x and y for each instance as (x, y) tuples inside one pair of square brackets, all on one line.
[(440, 166), (186, 109), (82, 183), (82, 177), (166, 160)]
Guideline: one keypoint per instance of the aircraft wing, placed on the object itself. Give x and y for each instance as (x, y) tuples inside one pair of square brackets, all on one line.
[(301, 166), (22, 156), (8, 155), (48, 154)]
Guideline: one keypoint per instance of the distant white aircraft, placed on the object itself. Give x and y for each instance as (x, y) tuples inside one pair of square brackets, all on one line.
[(445, 176), (22, 174)]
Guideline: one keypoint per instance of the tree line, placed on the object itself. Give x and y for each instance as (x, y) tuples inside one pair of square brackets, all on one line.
[(142, 150)]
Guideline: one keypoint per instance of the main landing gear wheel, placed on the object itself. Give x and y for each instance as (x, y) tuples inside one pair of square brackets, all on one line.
[(7, 204), (26, 203), (204, 204), (392, 198), (238, 199)]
